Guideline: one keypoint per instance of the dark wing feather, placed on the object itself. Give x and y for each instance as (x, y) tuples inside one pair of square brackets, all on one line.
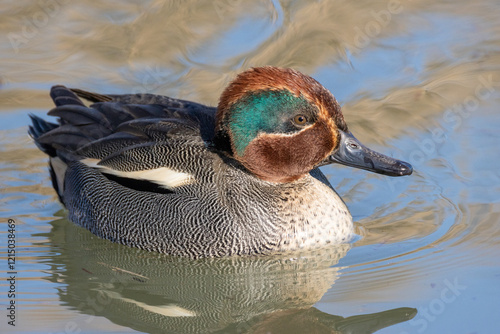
[(124, 134), (174, 108), (66, 137), (80, 115), (63, 96), (145, 116), (148, 144)]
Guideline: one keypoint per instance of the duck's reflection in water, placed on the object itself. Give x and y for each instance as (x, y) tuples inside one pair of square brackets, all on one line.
[(154, 293)]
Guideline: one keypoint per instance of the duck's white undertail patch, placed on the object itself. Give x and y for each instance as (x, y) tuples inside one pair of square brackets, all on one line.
[(163, 176), (59, 167)]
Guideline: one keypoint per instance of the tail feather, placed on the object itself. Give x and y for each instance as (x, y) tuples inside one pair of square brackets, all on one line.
[(78, 124), (39, 127)]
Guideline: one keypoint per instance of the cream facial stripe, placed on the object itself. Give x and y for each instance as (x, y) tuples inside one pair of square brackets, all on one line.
[(163, 176)]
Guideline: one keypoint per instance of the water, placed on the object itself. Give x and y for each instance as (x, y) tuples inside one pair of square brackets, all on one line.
[(418, 80)]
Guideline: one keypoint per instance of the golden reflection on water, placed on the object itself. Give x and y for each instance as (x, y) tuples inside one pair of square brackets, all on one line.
[(149, 291), (112, 40), (438, 108)]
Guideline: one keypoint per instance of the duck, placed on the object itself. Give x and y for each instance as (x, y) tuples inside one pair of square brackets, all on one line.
[(185, 179)]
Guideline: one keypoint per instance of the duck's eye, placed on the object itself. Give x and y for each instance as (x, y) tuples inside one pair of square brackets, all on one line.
[(300, 119), (353, 146)]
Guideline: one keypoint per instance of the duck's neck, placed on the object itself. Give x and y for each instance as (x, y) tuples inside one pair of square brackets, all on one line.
[(314, 216)]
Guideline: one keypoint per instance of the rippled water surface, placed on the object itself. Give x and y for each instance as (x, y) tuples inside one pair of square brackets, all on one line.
[(418, 80)]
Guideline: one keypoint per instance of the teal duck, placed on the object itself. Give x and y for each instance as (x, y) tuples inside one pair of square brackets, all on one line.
[(185, 179)]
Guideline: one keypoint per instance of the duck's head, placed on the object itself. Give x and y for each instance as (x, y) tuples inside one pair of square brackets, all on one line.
[(280, 124)]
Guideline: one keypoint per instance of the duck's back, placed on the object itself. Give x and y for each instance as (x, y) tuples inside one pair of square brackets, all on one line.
[(142, 170)]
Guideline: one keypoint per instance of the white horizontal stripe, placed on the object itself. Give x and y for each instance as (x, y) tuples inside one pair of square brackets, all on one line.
[(163, 176)]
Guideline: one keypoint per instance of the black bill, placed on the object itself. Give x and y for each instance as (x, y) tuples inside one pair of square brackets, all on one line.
[(354, 154)]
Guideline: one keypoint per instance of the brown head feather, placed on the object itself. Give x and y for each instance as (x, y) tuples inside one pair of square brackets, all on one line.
[(279, 157)]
